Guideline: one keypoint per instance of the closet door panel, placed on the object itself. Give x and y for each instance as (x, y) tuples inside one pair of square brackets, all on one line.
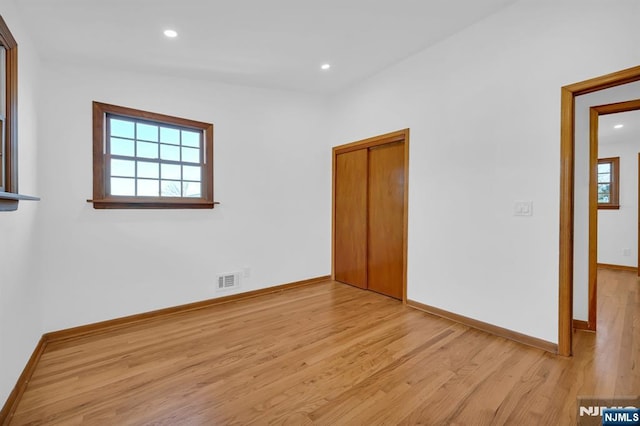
[(385, 219), (350, 220)]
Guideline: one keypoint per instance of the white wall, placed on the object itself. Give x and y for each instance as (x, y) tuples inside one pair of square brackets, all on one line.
[(272, 175), (484, 111), (618, 229), (20, 296), (581, 187)]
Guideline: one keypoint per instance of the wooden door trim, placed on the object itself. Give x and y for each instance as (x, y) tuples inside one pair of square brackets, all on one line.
[(398, 136), (593, 221), (567, 179), (594, 115)]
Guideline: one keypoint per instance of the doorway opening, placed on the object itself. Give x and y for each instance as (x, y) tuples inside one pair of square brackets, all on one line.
[(605, 181), (567, 180)]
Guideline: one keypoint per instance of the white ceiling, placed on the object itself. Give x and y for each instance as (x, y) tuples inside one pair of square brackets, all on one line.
[(275, 43), (607, 133)]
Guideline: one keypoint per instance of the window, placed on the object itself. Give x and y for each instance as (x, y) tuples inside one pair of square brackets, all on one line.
[(608, 183), (148, 160), (9, 196), (8, 110)]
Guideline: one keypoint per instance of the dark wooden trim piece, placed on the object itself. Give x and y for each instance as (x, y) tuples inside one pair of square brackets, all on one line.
[(618, 267), (98, 119), (567, 159), (583, 325), (486, 327), (12, 401), (154, 203), (618, 107), (592, 273), (405, 219), (333, 211), (6, 38), (398, 136), (618, 78), (150, 116), (117, 323)]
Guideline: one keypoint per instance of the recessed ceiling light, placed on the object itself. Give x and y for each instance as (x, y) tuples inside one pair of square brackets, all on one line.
[(618, 126), (325, 66), (170, 33)]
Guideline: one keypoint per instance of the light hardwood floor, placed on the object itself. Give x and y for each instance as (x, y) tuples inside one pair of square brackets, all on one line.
[(331, 354)]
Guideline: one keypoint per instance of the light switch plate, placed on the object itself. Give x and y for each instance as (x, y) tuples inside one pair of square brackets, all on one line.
[(523, 208)]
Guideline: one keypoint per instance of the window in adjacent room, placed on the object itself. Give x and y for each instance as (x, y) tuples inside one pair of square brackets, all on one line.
[(149, 160), (608, 183)]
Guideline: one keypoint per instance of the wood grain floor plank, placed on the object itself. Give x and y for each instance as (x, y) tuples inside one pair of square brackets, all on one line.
[(330, 354)]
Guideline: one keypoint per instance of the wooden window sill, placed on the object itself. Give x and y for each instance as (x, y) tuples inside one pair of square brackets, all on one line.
[(152, 203), (9, 200), (608, 207)]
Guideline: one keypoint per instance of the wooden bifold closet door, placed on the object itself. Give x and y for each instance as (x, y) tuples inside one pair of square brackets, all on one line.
[(369, 217)]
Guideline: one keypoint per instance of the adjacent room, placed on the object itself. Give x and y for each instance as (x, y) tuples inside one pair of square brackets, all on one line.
[(340, 212)]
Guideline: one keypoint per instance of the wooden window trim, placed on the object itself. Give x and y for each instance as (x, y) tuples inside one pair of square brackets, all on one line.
[(614, 203), (10, 154), (101, 198), (9, 196)]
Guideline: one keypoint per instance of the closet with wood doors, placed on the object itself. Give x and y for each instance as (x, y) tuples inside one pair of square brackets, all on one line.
[(370, 213)]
